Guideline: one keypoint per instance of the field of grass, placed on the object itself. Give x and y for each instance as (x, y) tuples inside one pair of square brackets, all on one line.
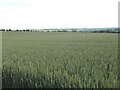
[(60, 60)]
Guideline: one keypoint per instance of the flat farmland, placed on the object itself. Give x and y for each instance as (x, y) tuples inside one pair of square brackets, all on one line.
[(59, 60)]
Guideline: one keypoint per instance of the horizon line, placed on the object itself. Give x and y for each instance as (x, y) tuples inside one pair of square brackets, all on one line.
[(58, 28)]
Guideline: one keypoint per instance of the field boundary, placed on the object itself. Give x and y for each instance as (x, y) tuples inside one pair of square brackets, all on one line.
[(119, 42), (0, 60)]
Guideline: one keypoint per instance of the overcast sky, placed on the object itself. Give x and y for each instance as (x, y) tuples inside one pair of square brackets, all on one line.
[(24, 14)]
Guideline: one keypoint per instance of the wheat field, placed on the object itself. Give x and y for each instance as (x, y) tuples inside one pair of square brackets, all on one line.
[(60, 60)]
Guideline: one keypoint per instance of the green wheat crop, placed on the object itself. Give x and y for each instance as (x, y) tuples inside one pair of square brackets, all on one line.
[(60, 60)]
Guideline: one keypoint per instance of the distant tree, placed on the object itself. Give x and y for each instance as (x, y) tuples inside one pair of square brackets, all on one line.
[(64, 30), (27, 30), (3, 29), (73, 30), (9, 30)]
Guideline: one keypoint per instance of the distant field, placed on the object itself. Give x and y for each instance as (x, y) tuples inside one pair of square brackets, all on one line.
[(60, 60)]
